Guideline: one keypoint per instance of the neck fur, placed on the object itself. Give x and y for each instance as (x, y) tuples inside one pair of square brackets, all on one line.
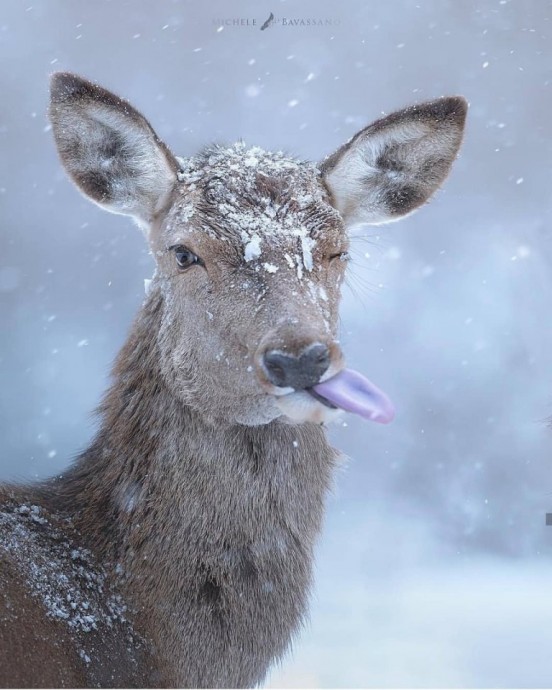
[(215, 522)]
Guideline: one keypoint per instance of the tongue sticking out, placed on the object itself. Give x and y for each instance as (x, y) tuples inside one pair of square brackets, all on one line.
[(352, 392)]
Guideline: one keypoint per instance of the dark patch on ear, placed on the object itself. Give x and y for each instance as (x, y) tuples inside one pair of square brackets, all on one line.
[(112, 145), (389, 160), (432, 170), (403, 199), (96, 184)]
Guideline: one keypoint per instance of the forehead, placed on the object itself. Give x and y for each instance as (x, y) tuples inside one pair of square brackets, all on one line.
[(252, 200)]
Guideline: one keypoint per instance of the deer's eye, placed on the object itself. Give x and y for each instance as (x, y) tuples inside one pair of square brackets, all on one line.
[(342, 256), (185, 258)]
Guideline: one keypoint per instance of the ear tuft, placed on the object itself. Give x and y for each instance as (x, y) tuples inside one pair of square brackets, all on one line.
[(449, 108), (109, 149), (394, 165), (65, 86)]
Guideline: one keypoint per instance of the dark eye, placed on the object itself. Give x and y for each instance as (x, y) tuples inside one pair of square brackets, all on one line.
[(342, 256), (184, 257)]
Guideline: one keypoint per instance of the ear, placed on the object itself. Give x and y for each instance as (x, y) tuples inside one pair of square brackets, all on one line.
[(395, 164), (109, 149)]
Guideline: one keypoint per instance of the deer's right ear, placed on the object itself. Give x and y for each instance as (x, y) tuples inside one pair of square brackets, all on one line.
[(109, 149)]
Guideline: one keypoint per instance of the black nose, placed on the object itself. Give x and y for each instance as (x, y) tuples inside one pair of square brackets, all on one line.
[(300, 372)]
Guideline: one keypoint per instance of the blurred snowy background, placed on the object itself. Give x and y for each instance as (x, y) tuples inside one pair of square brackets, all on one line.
[(434, 567)]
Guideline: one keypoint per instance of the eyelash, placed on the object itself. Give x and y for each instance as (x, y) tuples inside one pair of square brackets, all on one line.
[(342, 256)]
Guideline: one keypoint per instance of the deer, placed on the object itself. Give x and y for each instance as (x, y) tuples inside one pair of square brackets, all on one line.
[(177, 549)]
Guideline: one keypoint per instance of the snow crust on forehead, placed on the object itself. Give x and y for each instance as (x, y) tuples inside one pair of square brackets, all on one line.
[(261, 199)]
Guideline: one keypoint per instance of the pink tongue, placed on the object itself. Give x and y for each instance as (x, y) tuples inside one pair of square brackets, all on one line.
[(351, 391)]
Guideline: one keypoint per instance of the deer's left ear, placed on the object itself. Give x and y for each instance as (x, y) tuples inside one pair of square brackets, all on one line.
[(395, 164)]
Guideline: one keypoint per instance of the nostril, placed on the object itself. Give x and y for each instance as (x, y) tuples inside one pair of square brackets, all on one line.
[(315, 361), (277, 367), (318, 354)]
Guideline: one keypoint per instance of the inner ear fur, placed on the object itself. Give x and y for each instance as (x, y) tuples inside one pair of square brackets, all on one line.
[(394, 165)]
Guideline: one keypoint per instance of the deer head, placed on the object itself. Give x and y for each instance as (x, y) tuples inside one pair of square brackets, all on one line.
[(251, 246)]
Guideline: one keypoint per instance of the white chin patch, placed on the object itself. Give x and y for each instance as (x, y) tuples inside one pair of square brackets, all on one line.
[(301, 407)]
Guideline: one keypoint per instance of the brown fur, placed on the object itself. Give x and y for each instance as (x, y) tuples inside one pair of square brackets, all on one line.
[(177, 550)]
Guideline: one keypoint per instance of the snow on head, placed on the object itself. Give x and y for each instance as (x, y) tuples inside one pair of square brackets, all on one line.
[(307, 245), (273, 206), (252, 247)]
